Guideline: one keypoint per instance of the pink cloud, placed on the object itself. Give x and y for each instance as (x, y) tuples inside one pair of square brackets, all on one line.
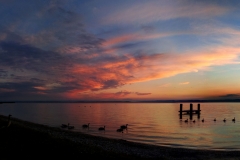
[(147, 67), (101, 95), (142, 94), (40, 88), (123, 93), (119, 39), (163, 10)]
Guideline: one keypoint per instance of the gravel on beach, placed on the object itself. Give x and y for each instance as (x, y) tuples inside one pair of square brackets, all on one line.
[(28, 140)]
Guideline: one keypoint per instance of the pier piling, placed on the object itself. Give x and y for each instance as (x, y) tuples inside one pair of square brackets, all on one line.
[(180, 111), (190, 111)]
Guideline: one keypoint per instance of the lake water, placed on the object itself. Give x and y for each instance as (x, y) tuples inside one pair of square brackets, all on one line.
[(151, 123)]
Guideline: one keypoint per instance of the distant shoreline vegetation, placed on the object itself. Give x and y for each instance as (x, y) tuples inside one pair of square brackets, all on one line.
[(130, 101)]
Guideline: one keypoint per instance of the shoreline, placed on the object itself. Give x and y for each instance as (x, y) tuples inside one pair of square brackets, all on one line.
[(23, 135)]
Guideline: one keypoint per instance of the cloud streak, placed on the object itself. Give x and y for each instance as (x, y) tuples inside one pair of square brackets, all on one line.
[(184, 83), (146, 12)]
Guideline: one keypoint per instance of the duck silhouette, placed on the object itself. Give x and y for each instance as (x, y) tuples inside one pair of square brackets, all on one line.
[(64, 125), (224, 120), (124, 126), (85, 125), (101, 128), (120, 130), (70, 127), (233, 119)]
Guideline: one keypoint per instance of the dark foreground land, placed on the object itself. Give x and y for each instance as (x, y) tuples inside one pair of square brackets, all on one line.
[(25, 140)]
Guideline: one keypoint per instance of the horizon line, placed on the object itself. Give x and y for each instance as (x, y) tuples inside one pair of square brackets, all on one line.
[(122, 101)]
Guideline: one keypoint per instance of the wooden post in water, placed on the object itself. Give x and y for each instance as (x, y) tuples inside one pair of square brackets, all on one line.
[(191, 111), (180, 111), (198, 111), (198, 107)]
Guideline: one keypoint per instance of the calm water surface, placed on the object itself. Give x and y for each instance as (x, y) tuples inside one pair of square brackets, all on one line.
[(151, 123)]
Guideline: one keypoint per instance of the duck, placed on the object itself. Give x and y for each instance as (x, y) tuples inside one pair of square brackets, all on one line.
[(214, 119), (70, 127), (64, 125), (224, 120), (203, 120), (8, 122), (120, 130), (194, 121), (101, 128), (186, 120), (85, 125), (233, 119), (124, 126)]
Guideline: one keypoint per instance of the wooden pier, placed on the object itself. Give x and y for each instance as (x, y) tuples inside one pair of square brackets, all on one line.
[(190, 112)]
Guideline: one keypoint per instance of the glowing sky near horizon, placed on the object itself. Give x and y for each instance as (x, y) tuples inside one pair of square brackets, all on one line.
[(119, 50)]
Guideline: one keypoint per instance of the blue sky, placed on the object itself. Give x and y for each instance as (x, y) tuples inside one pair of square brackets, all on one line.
[(119, 50)]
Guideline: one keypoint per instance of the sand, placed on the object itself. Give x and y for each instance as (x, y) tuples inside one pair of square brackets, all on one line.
[(28, 140)]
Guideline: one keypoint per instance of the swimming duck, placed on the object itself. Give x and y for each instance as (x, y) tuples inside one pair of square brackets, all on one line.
[(70, 127), (101, 128), (124, 126), (85, 125), (120, 130)]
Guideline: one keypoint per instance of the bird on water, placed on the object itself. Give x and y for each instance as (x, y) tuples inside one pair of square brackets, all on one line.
[(85, 125), (214, 119), (120, 130), (186, 120), (70, 127), (233, 119), (101, 128), (64, 125), (203, 120), (224, 120), (124, 126)]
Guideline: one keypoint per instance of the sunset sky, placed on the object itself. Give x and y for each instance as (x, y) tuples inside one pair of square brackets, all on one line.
[(119, 50)]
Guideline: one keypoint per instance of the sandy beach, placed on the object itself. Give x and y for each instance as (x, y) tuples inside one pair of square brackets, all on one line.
[(34, 141)]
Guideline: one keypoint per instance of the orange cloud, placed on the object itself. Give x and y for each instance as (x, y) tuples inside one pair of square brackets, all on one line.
[(140, 68), (107, 68), (184, 83), (142, 94), (165, 85), (104, 95)]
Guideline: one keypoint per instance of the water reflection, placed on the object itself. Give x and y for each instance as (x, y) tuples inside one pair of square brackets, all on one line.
[(153, 123)]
